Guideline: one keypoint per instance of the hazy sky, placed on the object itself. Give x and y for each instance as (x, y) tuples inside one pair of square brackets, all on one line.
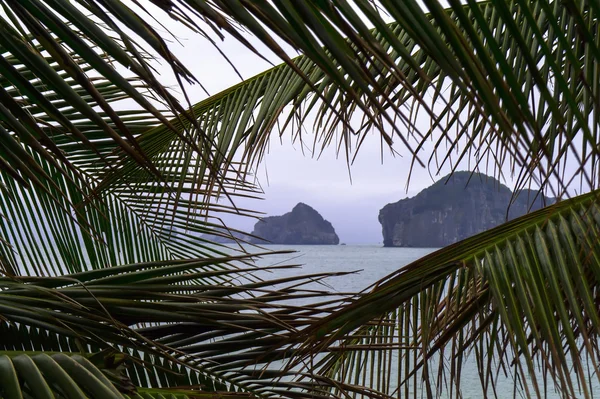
[(295, 177)]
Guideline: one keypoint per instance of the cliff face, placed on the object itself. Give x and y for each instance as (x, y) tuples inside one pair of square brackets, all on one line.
[(302, 226), (449, 212)]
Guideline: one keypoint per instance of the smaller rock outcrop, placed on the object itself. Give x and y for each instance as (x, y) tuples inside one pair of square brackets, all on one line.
[(302, 226)]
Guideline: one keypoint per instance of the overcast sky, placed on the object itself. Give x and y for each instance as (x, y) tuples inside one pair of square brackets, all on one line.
[(287, 175)]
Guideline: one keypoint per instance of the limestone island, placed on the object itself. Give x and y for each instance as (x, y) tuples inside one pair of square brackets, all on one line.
[(452, 210), (302, 226)]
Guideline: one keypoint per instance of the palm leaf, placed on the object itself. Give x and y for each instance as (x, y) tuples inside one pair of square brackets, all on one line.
[(175, 326), (243, 116), (492, 92), (517, 299), (500, 72), (46, 375), (87, 231), (48, 36), (121, 227)]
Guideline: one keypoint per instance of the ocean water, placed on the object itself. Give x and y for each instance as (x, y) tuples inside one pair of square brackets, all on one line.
[(371, 263)]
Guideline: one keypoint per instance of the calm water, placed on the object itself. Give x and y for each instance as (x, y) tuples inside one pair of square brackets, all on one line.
[(373, 263)]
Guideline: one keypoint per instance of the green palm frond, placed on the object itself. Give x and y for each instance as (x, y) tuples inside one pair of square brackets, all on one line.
[(63, 225), (41, 375), (459, 55), (235, 124), (174, 324), (101, 208), (100, 375), (494, 88), (38, 44), (518, 299), (123, 226), (61, 89)]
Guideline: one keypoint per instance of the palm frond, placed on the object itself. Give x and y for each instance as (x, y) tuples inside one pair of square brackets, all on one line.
[(41, 375), (72, 375), (121, 227), (229, 131), (512, 84), (38, 45), (494, 87), (173, 322), (519, 301)]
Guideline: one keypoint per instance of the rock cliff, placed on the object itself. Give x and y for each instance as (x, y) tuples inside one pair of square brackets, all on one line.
[(449, 212), (302, 226)]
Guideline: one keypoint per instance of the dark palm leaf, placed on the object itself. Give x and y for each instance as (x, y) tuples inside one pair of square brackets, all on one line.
[(168, 319), (518, 299), (513, 84)]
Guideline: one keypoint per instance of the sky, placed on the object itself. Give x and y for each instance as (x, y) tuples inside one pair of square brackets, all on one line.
[(350, 198)]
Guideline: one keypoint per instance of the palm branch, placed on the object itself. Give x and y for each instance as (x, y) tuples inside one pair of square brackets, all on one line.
[(518, 300), (497, 88), (167, 321)]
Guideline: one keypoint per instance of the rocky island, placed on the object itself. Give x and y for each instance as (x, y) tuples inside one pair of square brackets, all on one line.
[(302, 226), (452, 210)]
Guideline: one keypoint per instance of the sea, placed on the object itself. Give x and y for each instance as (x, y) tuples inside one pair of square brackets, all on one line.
[(372, 263)]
